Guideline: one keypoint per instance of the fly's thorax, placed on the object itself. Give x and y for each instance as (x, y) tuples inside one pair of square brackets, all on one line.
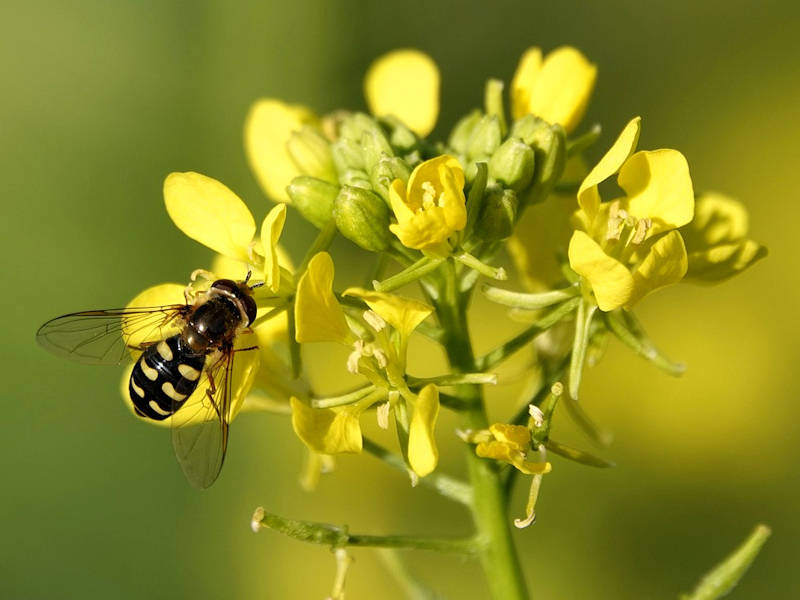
[(224, 310)]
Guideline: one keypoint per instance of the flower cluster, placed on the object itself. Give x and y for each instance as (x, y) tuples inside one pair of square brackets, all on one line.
[(437, 215)]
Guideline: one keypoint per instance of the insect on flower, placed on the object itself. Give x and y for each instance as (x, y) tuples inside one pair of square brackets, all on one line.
[(186, 363)]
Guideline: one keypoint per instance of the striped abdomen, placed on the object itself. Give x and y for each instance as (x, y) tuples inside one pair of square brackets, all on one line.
[(163, 378)]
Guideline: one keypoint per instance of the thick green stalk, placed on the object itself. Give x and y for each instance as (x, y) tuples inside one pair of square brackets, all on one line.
[(498, 554)]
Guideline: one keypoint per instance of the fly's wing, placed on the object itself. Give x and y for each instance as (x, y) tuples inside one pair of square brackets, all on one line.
[(103, 337), (200, 426)]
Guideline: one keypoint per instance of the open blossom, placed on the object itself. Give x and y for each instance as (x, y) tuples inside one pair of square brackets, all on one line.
[(432, 206), (381, 358), (629, 247)]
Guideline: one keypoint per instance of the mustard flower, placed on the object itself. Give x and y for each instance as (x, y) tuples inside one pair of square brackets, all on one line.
[(556, 88), (629, 247), (510, 444), (431, 207), (381, 357)]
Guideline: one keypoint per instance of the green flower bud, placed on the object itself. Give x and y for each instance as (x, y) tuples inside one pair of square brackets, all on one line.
[(374, 146), (313, 198), (355, 125), (347, 154), (549, 144), (498, 215), (462, 132), (386, 171), (513, 164), (363, 218), (485, 138), (356, 178), (311, 153), (400, 136)]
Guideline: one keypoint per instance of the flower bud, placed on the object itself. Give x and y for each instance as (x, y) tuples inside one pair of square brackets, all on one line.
[(374, 146), (549, 145), (400, 135), (347, 154), (498, 215), (311, 153), (356, 178), (485, 139), (362, 217), (313, 198), (512, 164), (386, 171), (354, 125), (462, 132)]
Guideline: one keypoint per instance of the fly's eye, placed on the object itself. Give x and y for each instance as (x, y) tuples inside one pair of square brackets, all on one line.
[(251, 308), (228, 285)]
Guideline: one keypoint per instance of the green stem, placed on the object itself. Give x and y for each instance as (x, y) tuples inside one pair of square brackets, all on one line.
[(498, 554), (321, 242), (338, 537), (499, 354)]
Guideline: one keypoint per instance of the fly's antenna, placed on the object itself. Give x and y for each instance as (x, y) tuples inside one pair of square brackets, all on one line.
[(256, 285), (249, 274)]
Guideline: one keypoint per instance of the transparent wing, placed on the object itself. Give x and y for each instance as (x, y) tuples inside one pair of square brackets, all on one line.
[(104, 336), (200, 427)]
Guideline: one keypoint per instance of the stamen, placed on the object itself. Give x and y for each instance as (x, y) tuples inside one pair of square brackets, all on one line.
[(374, 320), (616, 221), (536, 414), (355, 356), (642, 227), (429, 197), (382, 413)]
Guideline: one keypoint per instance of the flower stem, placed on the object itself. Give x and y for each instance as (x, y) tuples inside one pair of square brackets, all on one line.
[(498, 554)]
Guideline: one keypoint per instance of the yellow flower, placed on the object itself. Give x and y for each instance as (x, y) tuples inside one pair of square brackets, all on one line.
[(431, 207), (381, 357), (404, 84), (556, 88), (511, 444), (716, 240), (209, 212), (629, 247)]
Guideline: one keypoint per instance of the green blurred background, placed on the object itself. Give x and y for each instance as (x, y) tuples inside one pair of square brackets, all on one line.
[(100, 100)]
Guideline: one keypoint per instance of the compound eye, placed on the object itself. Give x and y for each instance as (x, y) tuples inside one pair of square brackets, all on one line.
[(228, 285), (251, 308)]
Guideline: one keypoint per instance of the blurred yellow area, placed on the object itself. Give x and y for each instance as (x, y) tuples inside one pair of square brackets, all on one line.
[(101, 100)]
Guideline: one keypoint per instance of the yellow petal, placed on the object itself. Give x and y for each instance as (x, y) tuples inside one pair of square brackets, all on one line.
[(718, 219), (405, 84), (318, 315), (403, 314), (271, 230), (225, 267), (611, 281), (326, 430), (623, 147), (422, 452), (664, 264), (556, 89), (516, 436), (267, 129), (209, 212), (524, 81), (722, 262), (659, 188), (157, 295), (532, 468)]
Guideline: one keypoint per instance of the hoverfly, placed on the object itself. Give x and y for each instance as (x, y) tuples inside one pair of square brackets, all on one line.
[(186, 363)]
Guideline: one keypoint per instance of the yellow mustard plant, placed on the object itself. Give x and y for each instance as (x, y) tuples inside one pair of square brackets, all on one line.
[(436, 217)]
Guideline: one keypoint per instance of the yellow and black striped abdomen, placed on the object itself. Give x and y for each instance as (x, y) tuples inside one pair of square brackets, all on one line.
[(163, 378)]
